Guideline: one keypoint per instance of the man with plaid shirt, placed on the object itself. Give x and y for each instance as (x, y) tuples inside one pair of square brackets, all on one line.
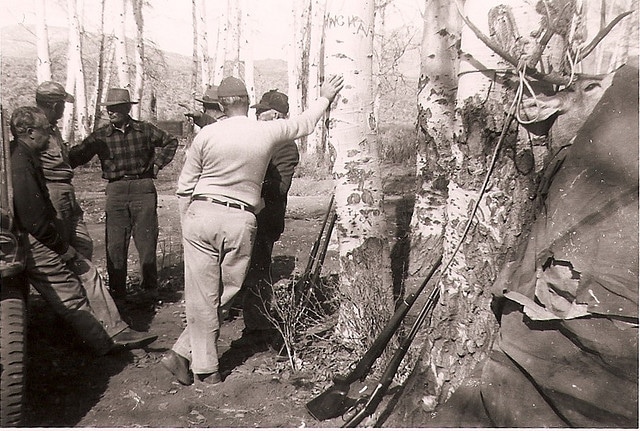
[(131, 153)]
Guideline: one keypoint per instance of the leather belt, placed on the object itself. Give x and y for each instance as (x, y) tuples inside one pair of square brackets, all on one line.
[(236, 205), (132, 177), (60, 181)]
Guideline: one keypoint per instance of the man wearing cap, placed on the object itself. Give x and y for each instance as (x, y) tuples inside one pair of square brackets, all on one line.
[(50, 260), (219, 194), (212, 110), (271, 219), (131, 153), (51, 98)]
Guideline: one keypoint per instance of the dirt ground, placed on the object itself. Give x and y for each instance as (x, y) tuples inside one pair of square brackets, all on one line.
[(68, 386)]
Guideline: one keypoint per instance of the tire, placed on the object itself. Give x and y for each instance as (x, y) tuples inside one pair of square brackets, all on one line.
[(12, 353)]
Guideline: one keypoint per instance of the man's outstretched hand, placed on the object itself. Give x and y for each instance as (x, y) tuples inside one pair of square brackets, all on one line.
[(331, 87)]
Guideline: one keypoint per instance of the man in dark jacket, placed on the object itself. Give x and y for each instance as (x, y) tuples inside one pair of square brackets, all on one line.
[(50, 258), (258, 293), (131, 153)]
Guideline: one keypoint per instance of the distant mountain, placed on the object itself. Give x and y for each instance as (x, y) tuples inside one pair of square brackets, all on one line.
[(168, 73)]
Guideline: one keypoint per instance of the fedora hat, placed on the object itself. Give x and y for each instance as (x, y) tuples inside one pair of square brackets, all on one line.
[(117, 96), (210, 95)]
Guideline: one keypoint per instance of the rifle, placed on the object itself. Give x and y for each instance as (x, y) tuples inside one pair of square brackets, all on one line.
[(307, 278), (333, 402), (385, 381)]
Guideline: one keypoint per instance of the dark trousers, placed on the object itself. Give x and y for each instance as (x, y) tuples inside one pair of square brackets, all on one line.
[(258, 291), (131, 209)]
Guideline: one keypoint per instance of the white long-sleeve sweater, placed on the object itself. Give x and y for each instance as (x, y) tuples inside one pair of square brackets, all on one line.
[(229, 158)]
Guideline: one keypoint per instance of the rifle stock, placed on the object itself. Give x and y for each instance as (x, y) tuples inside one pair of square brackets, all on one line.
[(392, 368), (333, 401)]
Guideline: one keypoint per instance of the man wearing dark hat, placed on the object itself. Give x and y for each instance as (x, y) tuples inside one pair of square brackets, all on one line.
[(131, 153), (212, 110), (50, 260), (257, 286), (219, 195)]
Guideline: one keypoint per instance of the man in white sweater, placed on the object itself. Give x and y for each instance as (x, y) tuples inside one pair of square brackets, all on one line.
[(219, 195)]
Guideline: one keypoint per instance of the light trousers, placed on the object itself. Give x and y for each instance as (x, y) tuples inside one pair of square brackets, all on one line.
[(217, 245)]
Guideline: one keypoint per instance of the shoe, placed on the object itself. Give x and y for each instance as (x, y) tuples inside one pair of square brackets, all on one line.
[(207, 380), (130, 339), (178, 366)]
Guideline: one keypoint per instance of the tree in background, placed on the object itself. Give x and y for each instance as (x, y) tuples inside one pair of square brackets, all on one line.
[(75, 80), (365, 273), (138, 87), (43, 65), (120, 37)]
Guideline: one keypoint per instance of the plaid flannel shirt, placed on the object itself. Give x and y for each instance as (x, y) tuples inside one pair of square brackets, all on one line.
[(133, 152)]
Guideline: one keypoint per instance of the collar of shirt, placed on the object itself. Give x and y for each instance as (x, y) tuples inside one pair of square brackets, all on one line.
[(130, 124)]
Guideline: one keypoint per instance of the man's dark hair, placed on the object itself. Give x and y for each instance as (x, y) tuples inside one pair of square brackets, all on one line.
[(24, 118)]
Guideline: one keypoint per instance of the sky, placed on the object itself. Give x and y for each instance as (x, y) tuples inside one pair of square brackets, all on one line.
[(168, 23)]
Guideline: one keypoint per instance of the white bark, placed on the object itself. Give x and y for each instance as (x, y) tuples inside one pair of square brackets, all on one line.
[(364, 250), (43, 66), (315, 141), (138, 88), (436, 110), (246, 48), (203, 44), (121, 58), (221, 43)]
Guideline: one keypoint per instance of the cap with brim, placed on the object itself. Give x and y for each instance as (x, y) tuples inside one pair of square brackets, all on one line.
[(231, 86), (117, 96), (273, 99), (49, 91), (210, 95)]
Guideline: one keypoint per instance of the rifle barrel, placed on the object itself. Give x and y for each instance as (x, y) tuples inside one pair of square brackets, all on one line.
[(387, 378)]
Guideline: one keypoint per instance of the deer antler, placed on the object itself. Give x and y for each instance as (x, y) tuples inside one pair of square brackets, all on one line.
[(529, 68), (530, 71), (601, 35)]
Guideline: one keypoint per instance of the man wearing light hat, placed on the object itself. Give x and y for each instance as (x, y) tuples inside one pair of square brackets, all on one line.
[(271, 219), (219, 194), (131, 153), (212, 110)]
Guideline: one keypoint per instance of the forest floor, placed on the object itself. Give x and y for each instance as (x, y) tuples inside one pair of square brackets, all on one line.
[(68, 386)]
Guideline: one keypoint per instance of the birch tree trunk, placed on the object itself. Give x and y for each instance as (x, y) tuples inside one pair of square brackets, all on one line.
[(194, 51), (436, 111), (365, 273), (138, 88), (316, 141), (233, 44), (221, 43), (202, 43), (75, 79), (246, 48), (121, 59), (43, 66), (100, 74)]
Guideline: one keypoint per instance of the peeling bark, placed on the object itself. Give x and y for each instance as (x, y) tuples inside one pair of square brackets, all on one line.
[(364, 249)]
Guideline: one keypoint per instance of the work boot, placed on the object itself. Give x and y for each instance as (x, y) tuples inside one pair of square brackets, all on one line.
[(178, 366), (207, 381), (130, 339)]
